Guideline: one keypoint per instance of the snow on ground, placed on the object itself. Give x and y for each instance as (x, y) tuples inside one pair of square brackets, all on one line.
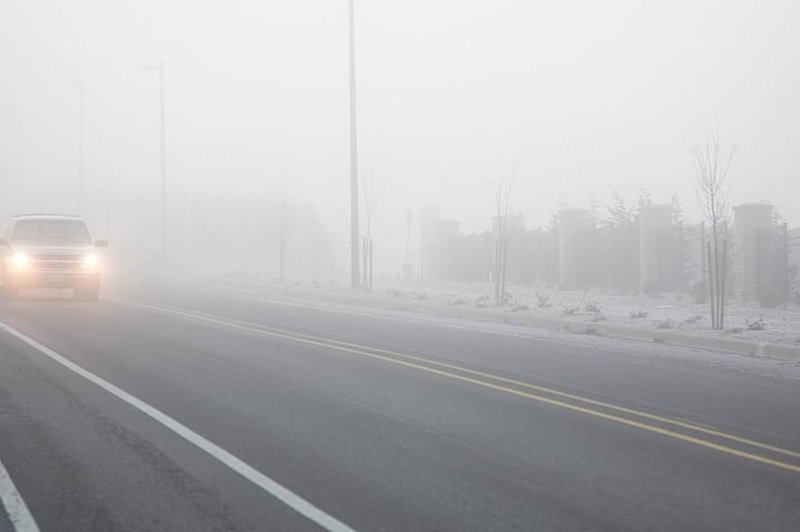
[(387, 307), (395, 300), (676, 312)]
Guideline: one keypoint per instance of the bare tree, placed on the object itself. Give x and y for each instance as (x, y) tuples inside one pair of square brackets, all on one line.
[(711, 163), (369, 203), (282, 226), (502, 203)]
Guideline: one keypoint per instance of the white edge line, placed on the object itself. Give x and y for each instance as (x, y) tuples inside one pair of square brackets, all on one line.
[(16, 509), (275, 489)]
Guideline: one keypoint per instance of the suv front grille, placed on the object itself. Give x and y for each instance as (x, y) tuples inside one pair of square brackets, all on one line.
[(57, 263)]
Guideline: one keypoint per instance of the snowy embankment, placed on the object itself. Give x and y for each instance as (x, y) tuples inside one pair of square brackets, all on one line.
[(676, 313)]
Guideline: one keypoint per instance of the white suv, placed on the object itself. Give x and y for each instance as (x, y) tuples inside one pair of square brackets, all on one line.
[(50, 251)]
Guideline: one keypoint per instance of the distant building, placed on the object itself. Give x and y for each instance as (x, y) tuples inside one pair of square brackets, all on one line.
[(437, 241)]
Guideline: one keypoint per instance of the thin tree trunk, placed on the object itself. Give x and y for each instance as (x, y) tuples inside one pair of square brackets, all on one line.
[(711, 288), (504, 266), (722, 292), (717, 272), (703, 259)]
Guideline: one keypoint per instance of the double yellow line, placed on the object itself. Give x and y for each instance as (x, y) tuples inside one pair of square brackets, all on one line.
[(584, 405)]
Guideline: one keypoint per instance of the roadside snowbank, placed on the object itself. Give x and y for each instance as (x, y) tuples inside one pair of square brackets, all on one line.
[(677, 312)]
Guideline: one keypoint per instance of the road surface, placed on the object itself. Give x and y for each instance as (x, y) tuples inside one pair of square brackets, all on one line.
[(181, 408)]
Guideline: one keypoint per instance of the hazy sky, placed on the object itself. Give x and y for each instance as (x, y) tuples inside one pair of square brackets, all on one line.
[(582, 97)]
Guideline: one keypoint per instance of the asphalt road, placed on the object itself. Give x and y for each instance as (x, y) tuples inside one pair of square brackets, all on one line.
[(373, 423)]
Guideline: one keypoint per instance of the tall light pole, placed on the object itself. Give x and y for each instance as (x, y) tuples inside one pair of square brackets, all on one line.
[(160, 68), (80, 148), (79, 170), (355, 276)]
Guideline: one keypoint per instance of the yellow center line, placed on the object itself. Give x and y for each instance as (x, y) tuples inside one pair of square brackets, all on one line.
[(667, 420), (389, 356)]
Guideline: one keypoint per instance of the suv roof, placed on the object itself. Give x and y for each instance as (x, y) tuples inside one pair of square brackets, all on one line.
[(45, 216)]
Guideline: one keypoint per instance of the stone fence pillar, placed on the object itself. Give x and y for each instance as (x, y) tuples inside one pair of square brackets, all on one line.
[(752, 221), (654, 221)]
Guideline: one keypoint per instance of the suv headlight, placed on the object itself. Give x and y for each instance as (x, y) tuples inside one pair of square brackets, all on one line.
[(90, 261), (19, 260)]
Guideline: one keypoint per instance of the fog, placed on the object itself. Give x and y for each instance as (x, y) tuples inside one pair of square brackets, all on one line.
[(399, 265), (578, 100)]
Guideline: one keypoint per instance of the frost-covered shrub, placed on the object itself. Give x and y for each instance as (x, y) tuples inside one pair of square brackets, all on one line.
[(543, 300), (755, 325), (593, 307), (692, 320)]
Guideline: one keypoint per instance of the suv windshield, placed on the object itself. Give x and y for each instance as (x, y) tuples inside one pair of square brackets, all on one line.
[(55, 231)]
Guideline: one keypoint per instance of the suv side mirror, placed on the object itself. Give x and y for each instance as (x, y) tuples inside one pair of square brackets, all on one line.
[(101, 243)]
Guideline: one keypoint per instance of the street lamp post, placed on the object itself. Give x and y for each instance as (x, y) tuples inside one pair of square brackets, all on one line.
[(80, 148), (160, 68), (354, 240), (79, 87)]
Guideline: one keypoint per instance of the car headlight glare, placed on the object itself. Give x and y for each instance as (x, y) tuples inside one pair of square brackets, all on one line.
[(19, 260), (90, 261)]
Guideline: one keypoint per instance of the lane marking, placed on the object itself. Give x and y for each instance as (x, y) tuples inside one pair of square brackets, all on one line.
[(16, 509), (369, 352), (667, 420), (283, 494)]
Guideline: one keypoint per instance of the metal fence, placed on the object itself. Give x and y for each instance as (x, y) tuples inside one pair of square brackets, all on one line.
[(385, 266)]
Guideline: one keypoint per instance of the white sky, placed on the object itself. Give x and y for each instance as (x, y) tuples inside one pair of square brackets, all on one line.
[(582, 97)]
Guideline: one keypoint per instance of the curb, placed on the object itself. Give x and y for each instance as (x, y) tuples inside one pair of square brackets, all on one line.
[(724, 345)]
